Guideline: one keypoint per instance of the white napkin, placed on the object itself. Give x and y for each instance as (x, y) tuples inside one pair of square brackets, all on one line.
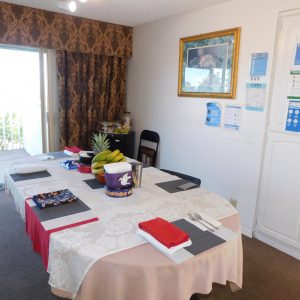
[(160, 246), (210, 220), (197, 224), (119, 167), (69, 153), (45, 157), (30, 169)]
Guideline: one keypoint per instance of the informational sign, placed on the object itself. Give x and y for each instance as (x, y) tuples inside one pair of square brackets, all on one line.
[(256, 94), (293, 118), (214, 114), (297, 56), (232, 117), (259, 62), (294, 83)]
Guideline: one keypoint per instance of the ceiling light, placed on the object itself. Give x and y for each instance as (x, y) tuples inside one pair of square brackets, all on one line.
[(72, 6)]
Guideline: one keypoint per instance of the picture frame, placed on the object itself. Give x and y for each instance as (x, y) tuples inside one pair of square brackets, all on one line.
[(208, 64)]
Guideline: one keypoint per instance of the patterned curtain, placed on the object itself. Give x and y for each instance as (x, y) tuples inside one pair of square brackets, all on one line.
[(92, 89), (20, 25)]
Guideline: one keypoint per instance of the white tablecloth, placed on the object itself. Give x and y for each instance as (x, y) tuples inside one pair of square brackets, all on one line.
[(72, 252)]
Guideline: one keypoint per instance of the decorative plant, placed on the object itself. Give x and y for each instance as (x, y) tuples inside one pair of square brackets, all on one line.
[(100, 142)]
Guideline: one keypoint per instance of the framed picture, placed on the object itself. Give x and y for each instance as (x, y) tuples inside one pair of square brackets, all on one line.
[(208, 64)]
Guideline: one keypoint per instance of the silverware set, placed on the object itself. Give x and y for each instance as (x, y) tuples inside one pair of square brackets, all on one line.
[(197, 217)]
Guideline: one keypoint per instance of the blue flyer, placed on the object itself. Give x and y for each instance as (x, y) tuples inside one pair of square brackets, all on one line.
[(297, 56), (214, 114), (293, 120), (259, 64)]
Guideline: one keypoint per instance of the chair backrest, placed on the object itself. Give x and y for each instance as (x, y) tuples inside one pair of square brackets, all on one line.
[(147, 154), (184, 176)]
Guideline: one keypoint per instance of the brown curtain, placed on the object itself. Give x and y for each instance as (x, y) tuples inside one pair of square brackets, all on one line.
[(20, 25), (92, 89)]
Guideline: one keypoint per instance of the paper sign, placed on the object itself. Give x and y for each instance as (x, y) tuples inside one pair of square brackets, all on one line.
[(214, 114), (294, 88), (297, 56), (293, 120), (256, 96), (232, 117), (259, 64)]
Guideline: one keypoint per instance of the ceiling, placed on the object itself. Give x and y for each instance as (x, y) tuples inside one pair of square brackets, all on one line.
[(125, 12)]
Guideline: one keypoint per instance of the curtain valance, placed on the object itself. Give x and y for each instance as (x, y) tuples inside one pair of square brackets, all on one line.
[(20, 25)]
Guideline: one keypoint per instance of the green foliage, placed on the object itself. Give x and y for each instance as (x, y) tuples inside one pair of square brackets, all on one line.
[(100, 142), (11, 134)]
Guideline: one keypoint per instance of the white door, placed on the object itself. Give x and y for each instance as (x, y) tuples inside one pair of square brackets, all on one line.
[(278, 214)]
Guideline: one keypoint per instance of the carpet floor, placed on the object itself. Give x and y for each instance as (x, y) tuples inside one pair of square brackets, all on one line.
[(22, 274), (268, 273)]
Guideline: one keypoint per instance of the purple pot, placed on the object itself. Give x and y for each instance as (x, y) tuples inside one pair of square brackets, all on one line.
[(118, 181)]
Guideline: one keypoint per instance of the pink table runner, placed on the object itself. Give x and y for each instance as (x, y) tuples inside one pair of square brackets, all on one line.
[(144, 273)]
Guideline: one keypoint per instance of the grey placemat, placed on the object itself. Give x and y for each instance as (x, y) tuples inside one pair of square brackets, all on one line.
[(201, 240), (59, 211), (94, 183), (171, 186), (35, 175), (58, 154)]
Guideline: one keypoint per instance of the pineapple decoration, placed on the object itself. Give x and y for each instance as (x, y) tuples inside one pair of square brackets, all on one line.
[(100, 142), (103, 155)]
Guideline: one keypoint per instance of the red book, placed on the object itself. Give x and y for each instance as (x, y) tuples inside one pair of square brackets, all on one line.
[(164, 232), (73, 149)]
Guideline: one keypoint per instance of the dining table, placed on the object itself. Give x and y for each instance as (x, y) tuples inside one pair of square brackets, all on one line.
[(106, 259)]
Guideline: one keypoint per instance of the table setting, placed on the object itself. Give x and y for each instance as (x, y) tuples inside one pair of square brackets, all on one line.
[(104, 223)]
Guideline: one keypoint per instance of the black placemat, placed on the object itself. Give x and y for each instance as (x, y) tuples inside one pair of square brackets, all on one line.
[(58, 154), (35, 175), (171, 186), (201, 240), (94, 183), (59, 211)]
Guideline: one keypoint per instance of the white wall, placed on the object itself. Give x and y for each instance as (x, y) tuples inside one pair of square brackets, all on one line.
[(228, 163)]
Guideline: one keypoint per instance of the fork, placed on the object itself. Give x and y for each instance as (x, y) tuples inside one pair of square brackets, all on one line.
[(198, 216), (193, 218)]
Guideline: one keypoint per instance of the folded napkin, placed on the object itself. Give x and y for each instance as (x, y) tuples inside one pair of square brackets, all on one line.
[(73, 149), (46, 157), (165, 232), (69, 153), (30, 169), (69, 164), (161, 247), (119, 167), (54, 198), (196, 223), (210, 220)]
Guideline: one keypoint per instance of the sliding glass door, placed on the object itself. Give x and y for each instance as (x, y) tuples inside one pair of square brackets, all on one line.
[(24, 99)]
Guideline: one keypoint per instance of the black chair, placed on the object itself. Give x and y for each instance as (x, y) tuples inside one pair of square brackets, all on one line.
[(147, 152), (183, 176)]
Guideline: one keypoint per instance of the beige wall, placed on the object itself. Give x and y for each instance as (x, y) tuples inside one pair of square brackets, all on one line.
[(227, 162)]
